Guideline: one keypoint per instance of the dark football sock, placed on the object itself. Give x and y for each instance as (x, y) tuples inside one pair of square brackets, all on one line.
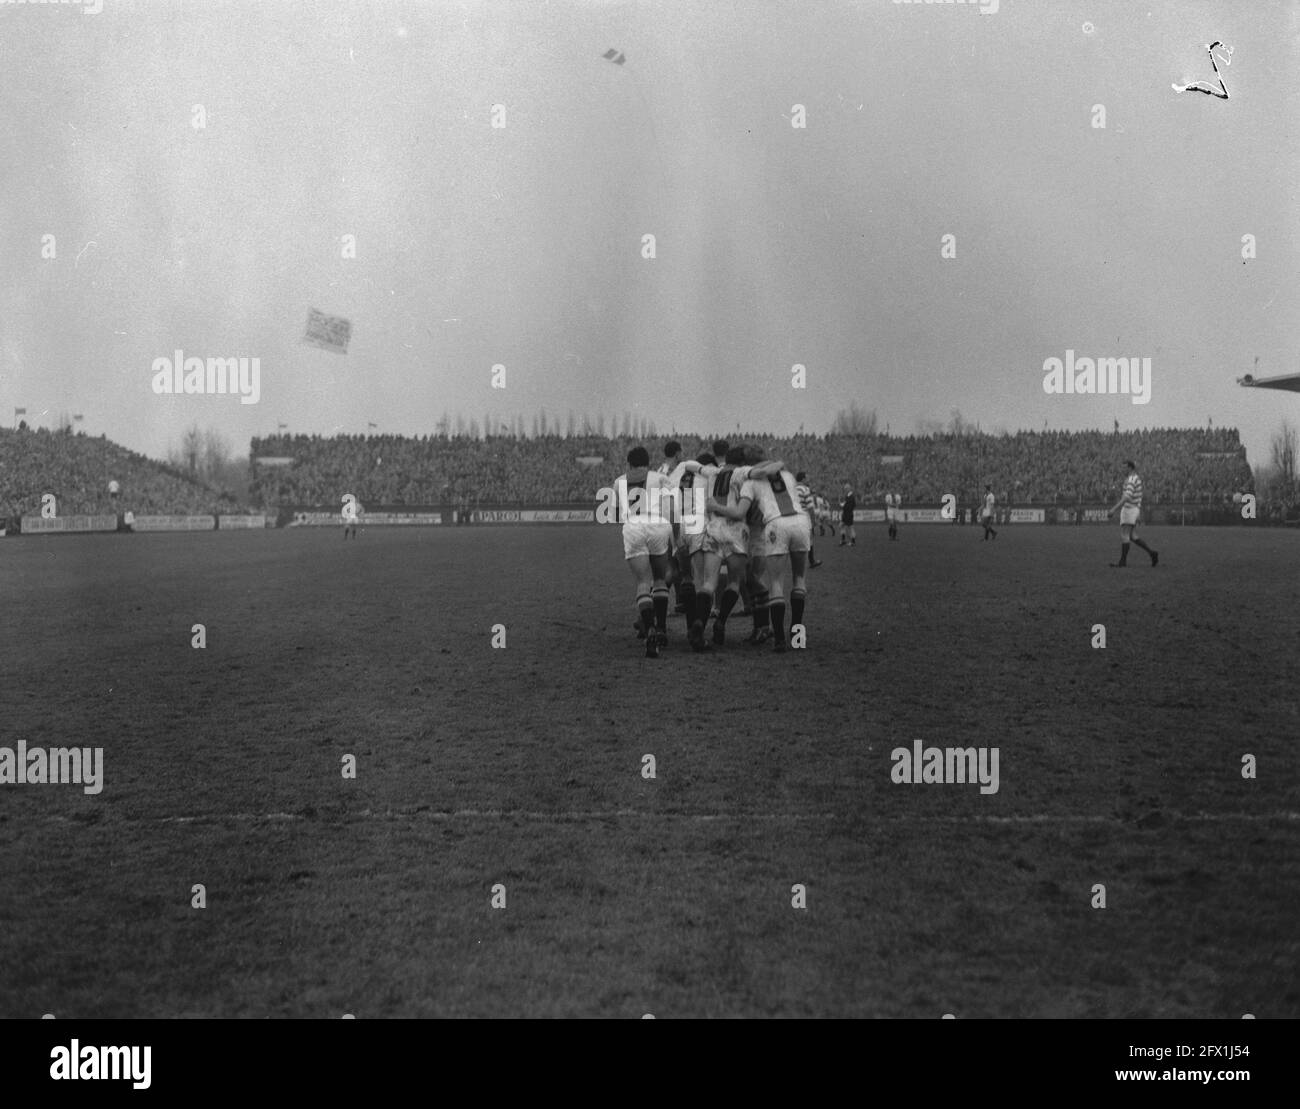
[(1123, 553), (776, 611), (660, 597), (797, 599), (703, 606), (688, 598), (728, 602)]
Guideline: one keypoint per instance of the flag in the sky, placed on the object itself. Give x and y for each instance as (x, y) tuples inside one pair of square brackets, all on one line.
[(327, 332)]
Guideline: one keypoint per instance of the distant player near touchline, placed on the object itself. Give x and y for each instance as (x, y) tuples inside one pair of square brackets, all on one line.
[(809, 505), (893, 510), (1129, 507), (986, 513), (351, 517), (825, 518), (847, 506)]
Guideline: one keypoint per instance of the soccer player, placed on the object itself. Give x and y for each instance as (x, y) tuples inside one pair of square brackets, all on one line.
[(647, 535), (726, 540), (986, 513), (893, 510), (1129, 507), (351, 517), (824, 517), (787, 540), (809, 505), (847, 507), (679, 568)]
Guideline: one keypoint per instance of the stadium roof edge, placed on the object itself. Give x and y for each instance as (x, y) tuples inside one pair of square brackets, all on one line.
[(1289, 382)]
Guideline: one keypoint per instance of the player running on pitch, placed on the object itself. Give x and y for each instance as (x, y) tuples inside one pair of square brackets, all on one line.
[(893, 512), (1129, 507), (647, 538)]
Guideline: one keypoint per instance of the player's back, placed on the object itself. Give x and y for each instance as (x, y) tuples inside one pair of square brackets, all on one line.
[(640, 496), (725, 483), (773, 494)]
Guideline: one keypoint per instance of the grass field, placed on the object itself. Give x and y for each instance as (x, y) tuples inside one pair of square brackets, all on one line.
[(522, 766)]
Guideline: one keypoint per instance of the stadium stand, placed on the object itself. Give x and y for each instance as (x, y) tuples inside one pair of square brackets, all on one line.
[(77, 470), (1042, 468)]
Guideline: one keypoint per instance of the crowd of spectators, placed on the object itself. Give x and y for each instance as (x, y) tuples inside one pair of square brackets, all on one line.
[(1192, 466), (77, 469)]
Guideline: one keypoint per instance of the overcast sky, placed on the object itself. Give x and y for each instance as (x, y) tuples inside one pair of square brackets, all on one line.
[(522, 245)]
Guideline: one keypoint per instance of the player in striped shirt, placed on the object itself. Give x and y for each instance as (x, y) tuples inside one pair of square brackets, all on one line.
[(787, 535), (679, 569), (726, 540), (1129, 507), (808, 503)]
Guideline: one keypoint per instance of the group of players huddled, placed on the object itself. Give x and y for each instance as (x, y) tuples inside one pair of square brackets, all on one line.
[(726, 524)]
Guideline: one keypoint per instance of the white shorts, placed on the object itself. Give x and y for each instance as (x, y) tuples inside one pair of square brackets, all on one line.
[(693, 543), (891, 514), (786, 534), (646, 539), (1129, 515), (725, 537)]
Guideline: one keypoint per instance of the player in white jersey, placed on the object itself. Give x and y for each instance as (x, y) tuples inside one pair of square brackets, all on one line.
[(893, 512), (679, 569), (825, 517), (788, 538), (351, 515), (986, 513), (808, 503), (726, 539), (645, 508), (1129, 507)]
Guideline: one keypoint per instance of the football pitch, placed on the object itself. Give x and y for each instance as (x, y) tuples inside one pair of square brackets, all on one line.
[(770, 867)]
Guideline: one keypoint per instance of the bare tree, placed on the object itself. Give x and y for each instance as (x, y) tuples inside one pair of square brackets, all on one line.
[(957, 425), (216, 455), (1282, 456), (854, 420), (192, 448)]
